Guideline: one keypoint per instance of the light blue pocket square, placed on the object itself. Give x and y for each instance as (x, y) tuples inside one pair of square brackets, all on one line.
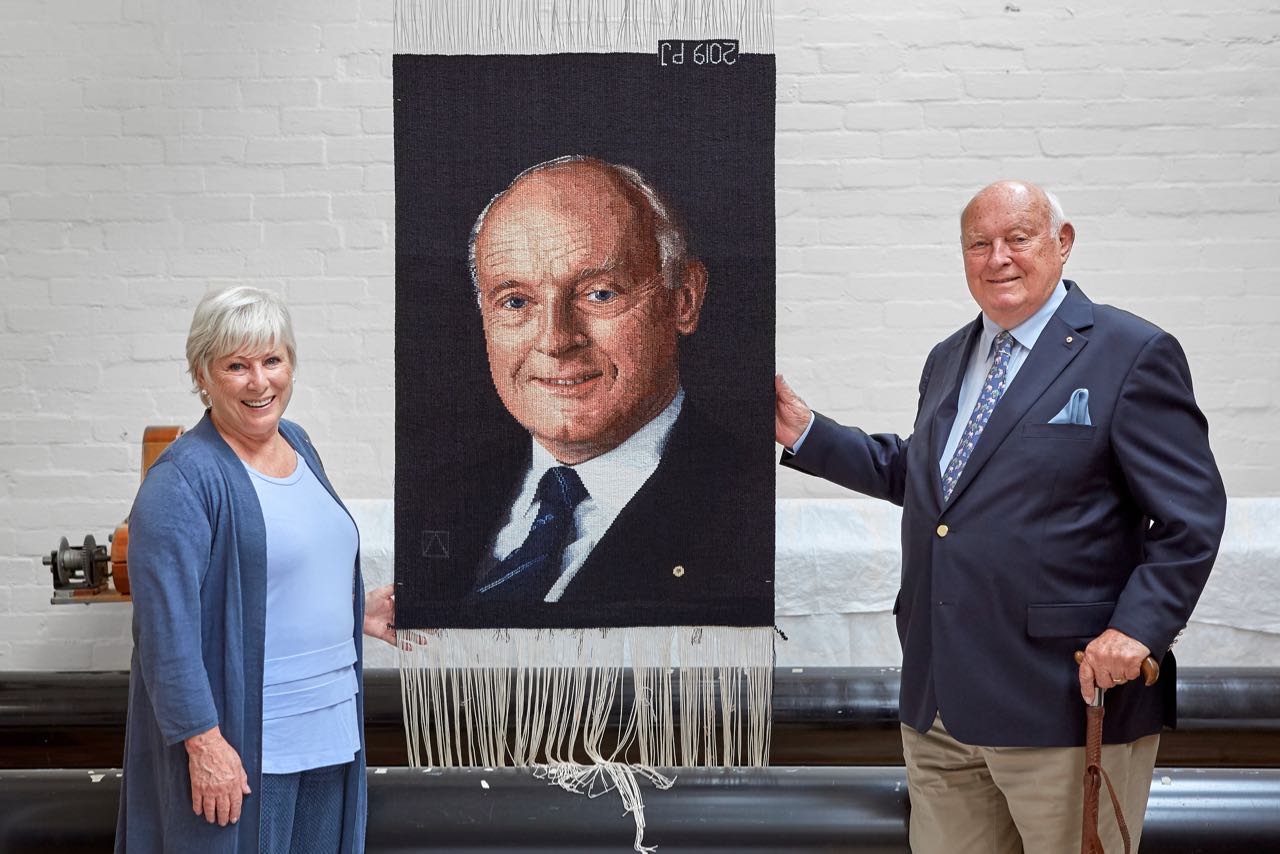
[(1076, 411)]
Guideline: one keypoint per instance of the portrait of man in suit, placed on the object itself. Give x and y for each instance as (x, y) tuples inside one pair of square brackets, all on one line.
[(1058, 495), (621, 502)]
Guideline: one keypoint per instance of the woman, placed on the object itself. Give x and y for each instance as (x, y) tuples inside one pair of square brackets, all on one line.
[(245, 727)]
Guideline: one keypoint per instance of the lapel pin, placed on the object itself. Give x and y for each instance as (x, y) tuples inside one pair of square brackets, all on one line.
[(678, 571), (1069, 339)]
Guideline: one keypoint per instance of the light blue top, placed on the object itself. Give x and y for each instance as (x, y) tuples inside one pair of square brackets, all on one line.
[(309, 683), (1025, 335)]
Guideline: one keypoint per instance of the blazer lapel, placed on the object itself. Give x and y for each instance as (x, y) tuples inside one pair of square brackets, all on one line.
[(1059, 343)]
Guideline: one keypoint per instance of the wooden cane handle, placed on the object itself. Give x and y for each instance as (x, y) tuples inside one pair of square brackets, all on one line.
[(1150, 668)]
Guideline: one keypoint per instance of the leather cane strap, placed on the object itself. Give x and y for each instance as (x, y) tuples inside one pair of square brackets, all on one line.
[(1090, 842)]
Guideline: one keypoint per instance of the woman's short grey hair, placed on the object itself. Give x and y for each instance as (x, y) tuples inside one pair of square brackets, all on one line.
[(673, 248), (233, 319)]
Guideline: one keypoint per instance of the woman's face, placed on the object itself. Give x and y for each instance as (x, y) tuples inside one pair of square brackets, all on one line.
[(248, 392)]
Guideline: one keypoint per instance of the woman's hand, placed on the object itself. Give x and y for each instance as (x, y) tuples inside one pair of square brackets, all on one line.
[(218, 781), (380, 613)]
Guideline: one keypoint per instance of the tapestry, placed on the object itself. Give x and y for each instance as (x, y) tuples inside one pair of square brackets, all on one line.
[(584, 492)]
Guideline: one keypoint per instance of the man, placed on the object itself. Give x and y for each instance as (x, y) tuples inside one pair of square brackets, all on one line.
[(625, 508), (1058, 494)]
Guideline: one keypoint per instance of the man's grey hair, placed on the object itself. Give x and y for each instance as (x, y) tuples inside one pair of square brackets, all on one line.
[(673, 248), (1057, 216), (237, 318)]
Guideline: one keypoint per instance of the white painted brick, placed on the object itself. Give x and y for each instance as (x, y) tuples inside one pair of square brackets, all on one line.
[(302, 235), (204, 150), (906, 86), (343, 121), (378, 178), (86, 179), (335, 179), (50, 207), (143, 235), (122, 93), (36, 235), (362, 149), (219, 208), (300, 207), (21, 178), (272, 262), (301, 150), (202, 265), (81, 122), (40, 149), (280, 93), (215, 65), (253, 122), (222, 235), (238, 178), (39, 94), (136, 206)]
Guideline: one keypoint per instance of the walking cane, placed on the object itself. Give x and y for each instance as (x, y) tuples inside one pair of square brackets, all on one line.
[(1090, 842)]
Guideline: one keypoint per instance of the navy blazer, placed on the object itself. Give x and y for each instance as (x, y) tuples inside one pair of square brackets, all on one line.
[(1054, 532)]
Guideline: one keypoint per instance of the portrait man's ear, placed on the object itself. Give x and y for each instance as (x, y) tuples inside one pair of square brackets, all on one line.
[(689, 296)]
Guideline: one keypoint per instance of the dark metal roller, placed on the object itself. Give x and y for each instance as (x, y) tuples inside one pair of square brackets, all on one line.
[(776, 809)]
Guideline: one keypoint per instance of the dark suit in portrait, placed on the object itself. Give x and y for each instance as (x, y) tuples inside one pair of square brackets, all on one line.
[(674, 555)]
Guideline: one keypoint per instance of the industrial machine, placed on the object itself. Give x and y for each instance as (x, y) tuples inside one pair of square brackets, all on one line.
[(92, 573)]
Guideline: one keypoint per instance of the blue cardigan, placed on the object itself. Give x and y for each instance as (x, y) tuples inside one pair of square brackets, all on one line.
[(198, 571)]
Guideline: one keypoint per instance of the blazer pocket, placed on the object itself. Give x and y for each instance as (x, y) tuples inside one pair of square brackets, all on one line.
[(1078, 432), (1087, 620)]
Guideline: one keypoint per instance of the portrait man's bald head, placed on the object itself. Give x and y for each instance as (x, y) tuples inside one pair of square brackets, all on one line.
[(584, 287)]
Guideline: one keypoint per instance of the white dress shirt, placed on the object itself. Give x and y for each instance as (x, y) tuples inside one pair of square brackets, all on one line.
[(611, 480)]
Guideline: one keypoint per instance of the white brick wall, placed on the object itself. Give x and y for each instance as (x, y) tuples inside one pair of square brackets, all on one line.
[(152, 149)]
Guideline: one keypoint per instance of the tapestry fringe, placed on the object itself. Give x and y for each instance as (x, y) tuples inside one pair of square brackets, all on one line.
[(545, 699), (576, 26)]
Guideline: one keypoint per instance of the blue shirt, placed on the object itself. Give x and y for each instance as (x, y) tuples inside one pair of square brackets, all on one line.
[(309, 684), (1025, 335)]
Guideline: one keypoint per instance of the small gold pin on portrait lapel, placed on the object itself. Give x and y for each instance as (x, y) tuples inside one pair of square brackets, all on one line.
[(1070, 339), (677, 571)]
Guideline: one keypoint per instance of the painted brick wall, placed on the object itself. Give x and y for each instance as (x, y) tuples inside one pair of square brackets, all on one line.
[(152, 149)]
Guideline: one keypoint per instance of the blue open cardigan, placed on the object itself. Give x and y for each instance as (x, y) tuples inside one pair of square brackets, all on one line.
[(198, 571)]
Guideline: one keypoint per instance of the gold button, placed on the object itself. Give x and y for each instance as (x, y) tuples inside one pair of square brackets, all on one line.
[(942, 530), (1069, 339), (678, 571)]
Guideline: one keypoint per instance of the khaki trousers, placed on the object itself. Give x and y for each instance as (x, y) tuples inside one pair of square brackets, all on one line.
[(1006, 800)]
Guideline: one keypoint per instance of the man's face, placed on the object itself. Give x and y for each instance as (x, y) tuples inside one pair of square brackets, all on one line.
[(1011, 259), (580, 328)]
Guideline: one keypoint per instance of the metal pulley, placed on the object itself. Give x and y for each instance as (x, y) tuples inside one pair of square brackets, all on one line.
[(83, 567), (81, 573)]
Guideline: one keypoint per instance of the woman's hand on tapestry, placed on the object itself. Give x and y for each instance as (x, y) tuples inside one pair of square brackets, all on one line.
[(380, 613), (218, 779)]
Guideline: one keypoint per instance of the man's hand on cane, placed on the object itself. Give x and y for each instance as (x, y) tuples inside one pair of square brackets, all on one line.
[(1110, 659)]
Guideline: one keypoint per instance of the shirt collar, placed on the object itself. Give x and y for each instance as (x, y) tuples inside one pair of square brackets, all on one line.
[(622, 471), (1028, 331)]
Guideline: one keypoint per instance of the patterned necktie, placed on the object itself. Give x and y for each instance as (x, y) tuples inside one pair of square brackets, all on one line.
[(992, 388), (527, 572)]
